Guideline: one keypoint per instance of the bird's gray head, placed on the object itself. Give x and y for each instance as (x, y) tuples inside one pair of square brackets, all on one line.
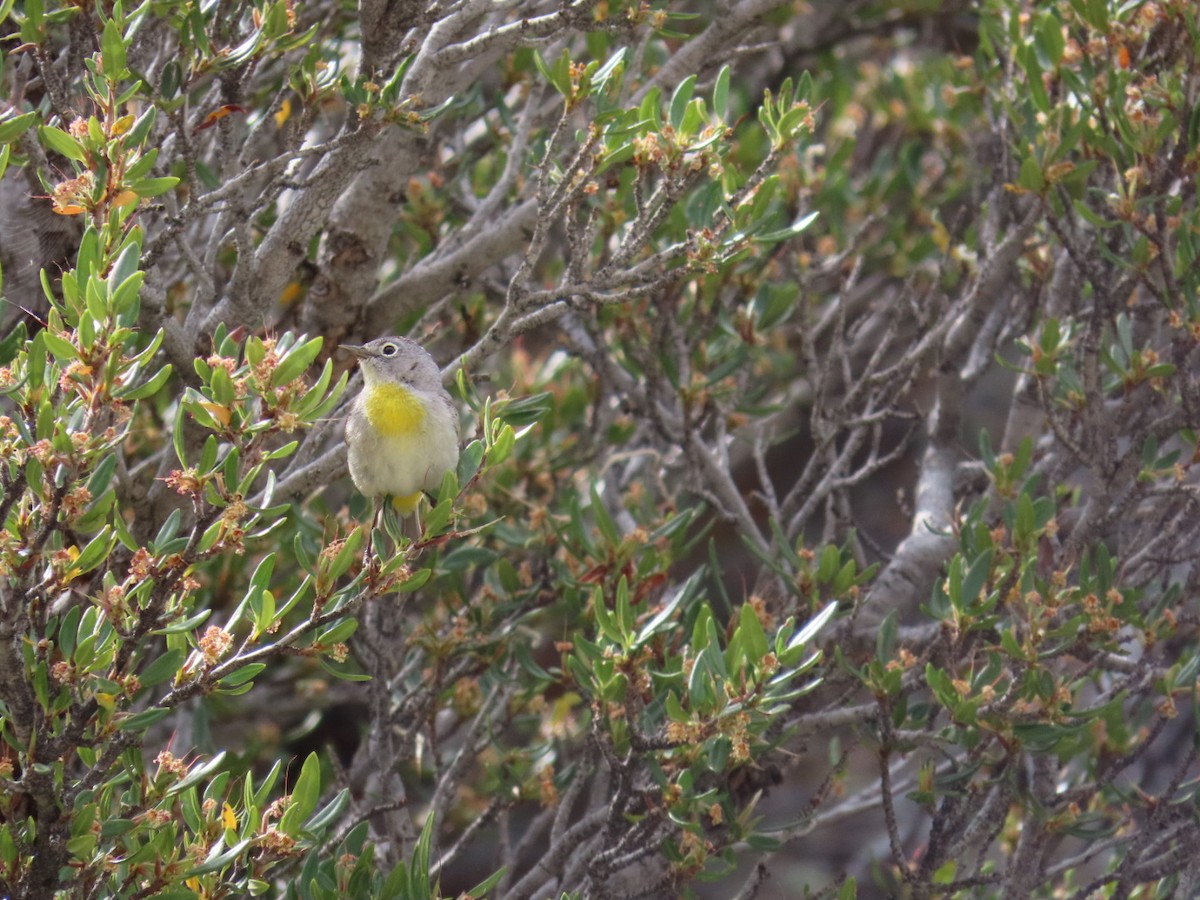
[(396, 359)]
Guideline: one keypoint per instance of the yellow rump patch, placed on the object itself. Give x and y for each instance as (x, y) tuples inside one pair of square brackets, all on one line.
[(394, 410), (406, 505)]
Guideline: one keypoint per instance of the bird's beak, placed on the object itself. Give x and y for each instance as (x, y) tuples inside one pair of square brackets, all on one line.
[(360, 352)]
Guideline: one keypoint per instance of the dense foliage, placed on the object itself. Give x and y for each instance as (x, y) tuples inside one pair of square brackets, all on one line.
[(825, 519)]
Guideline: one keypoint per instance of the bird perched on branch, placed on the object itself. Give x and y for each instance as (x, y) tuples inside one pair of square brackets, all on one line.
[(402, 433)]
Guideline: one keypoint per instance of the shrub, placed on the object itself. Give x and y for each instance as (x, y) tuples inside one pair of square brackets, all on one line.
[(711, 283)]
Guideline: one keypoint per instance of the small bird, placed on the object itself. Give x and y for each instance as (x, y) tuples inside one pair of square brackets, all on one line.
[(402, 433)]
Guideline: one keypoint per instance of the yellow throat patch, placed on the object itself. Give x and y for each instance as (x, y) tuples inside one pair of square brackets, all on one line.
[(394, 410)]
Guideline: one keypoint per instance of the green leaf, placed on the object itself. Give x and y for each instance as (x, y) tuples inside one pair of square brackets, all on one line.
[(168, 530), (977, 577), (1049, 40), (945, 872), (112, 48), (830, 562), (96, 551), (614, 65), (525, 410), (318, 391), (296, 362), (147, 389), (885, 638), (217, 860), (415, 581), (604, 522), (338, 632), (242, 675), (1027, 58), (649, 114), (343, 674), (701, 691), (783, 234), (469, 460), (177, 435), (13, 128), (330, 813), (624, 612), (304, 796), (35, 21), (720, 97), (762, 843), (63, 350), (1026, 518), (143, 720), (679, 101), (330, 400), (282, 451), (502, 444), (60, 142), (559, 75), (13, 342), (674, 709), (222, 388), (604, 618), (152, 187), (666, 612), (162, 668), (814, 625), (125, 266), (185, 624), (1030, 177), (439, 517), (487, 884), (695, 115), (197, 774), (793, 123), (68, 629), (136, 137), (751, 632)]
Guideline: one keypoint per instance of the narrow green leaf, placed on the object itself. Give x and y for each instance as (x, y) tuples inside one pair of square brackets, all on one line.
[(216, 860), (668, 608), (329, 813), (112, 49), (1030, 177), (152, 187), (679, 101), (783, 234), (162, 668), (415, 582), (338, 633), (96, 551), (721, 92), (143, 720), (469, 460), (11, 129), (63, 350), (60, 142), (753, 637), (147, 388), (304, 796), (814, 625), (977, 576), (243, 675)]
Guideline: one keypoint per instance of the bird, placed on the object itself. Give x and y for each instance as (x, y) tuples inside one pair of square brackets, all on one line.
[(402, 432)]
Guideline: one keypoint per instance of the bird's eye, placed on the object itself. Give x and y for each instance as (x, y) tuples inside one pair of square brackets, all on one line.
[(388, 349)]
